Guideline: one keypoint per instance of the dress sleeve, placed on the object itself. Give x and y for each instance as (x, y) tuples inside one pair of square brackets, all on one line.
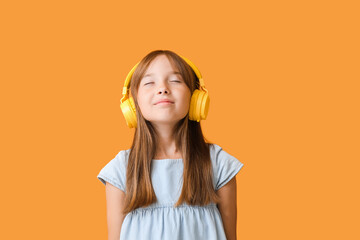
[(114, 172), (227, 166)]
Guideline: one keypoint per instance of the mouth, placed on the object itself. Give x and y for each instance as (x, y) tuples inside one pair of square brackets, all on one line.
[(164, 102)]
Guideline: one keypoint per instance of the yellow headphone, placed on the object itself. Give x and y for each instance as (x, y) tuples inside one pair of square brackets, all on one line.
[(199, 104)]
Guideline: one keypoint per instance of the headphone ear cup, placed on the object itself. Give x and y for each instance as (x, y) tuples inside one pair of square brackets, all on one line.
[(129, 111), (199, 105), (205, 103)]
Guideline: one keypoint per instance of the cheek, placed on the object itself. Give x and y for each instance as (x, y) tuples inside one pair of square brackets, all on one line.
[(141, 97), (188, 96), (144, 102), (187, 99)]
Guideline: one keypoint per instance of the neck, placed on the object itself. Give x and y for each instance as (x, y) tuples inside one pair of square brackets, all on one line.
[(166, 145)]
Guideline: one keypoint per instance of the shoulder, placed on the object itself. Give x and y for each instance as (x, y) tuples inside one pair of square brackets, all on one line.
[(121, 158), (214, 155), (218, 154), (114, 171), (225, 166), (123, 155), (215, 150), (214, 147)]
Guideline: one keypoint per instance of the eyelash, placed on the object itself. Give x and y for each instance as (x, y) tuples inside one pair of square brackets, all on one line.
[(171, 81)]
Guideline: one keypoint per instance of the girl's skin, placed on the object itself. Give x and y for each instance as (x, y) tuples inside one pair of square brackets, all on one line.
[(160, 82)]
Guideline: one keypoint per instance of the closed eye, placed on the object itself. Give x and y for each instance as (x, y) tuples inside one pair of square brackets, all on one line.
[(171, 81)]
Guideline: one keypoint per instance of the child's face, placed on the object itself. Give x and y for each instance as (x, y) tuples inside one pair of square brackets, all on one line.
[(163, 84)]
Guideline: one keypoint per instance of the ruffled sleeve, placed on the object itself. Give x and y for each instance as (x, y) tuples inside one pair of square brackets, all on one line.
[(114, 171), (225, 166)]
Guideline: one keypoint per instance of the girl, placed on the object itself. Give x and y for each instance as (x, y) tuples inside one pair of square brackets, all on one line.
[(171, 183)]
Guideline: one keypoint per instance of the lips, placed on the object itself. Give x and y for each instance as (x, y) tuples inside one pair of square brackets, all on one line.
[(164, 100)]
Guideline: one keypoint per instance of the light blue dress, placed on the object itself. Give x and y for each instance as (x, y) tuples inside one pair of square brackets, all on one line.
[(161, 220)]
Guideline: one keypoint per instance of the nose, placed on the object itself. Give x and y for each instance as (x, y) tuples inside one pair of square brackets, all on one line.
[(163, 89)]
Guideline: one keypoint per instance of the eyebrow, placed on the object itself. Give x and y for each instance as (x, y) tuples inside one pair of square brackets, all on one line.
[(173, 72)]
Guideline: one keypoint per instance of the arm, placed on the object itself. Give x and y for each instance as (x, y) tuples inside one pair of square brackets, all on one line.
[(114, 206), (227, 208)]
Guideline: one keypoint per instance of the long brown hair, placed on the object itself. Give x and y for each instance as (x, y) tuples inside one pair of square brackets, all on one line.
[(198, 186)]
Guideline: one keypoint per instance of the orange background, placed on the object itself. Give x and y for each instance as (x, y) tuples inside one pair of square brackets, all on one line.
[(283, 79)]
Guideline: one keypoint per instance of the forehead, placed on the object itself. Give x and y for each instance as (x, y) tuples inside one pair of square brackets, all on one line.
[(150, 74), (161, 66)]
